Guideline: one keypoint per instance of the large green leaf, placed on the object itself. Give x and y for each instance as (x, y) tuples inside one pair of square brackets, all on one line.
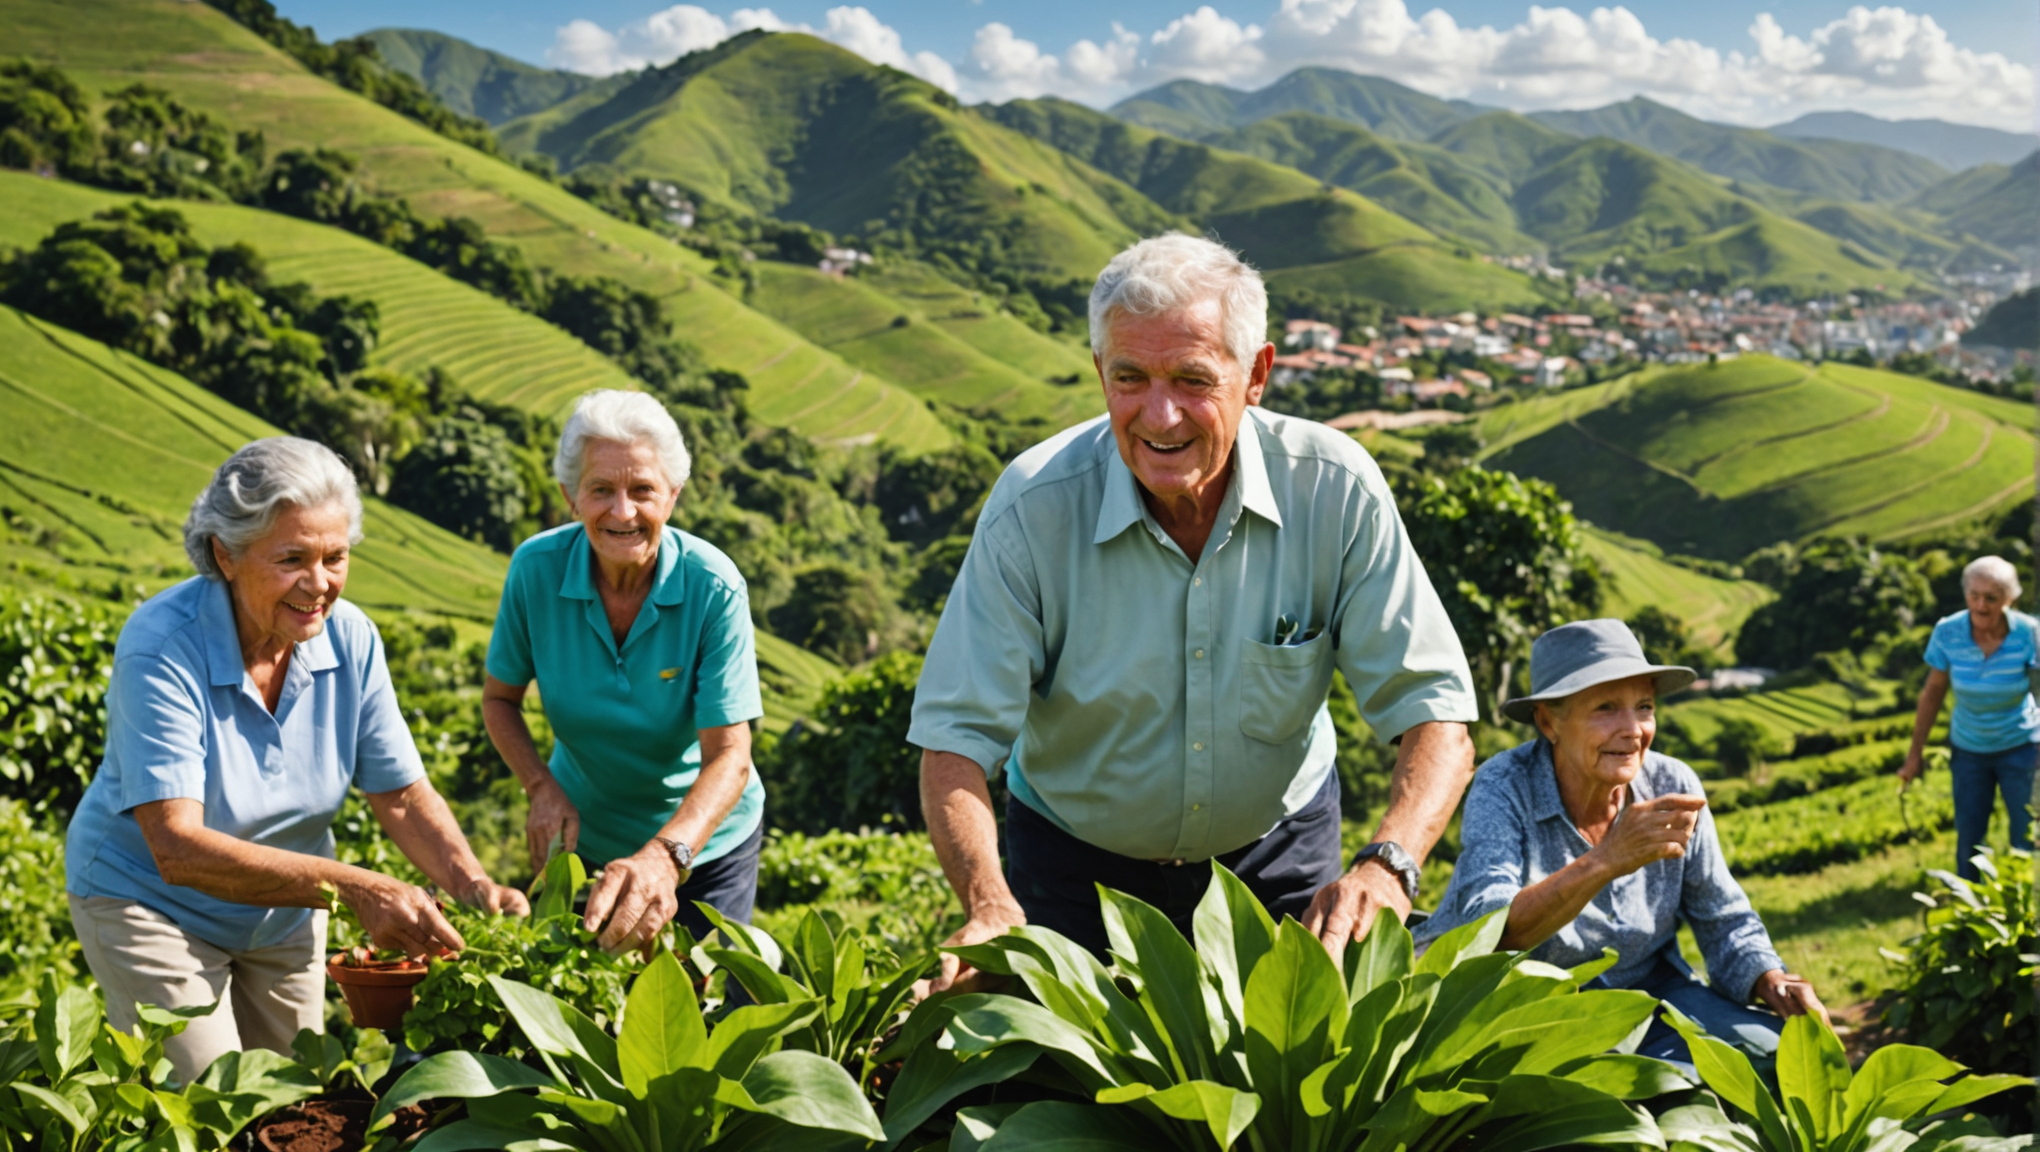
[(757, 1132), (1295, 1012), (976, 1125), (1408, 1115), (1869, 1095), (67, 1017), (982, 1022), (554, 892), (747, 937), (477, 1136), (812, 1091), (662, 1027), (1073, 1128), (1814, 1070), (1729, 1073), (934, 1076), (1533, 1113), (1384, 955), (239, 1086), (1233, 931), (457, 1076), (1224, 1110), (554, 1026), (1703, 1128), (1970, 1089), (1624, 1077), (758, 977), (1171, 976), (1466, 997), (1474, 938), (1124, 1023), (1558, 1029), (747, 1033)]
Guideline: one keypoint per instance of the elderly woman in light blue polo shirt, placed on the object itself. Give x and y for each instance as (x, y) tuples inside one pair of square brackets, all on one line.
[(244, 704), (1983, 653), (639, 638)]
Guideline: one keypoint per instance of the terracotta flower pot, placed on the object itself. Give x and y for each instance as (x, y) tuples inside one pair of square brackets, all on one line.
[(378, 995)]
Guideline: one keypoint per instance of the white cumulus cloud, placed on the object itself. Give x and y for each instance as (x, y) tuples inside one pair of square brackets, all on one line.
[(664, 36)]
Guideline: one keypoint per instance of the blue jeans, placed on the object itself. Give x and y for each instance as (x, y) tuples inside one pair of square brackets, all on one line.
[(1752, 1030), (1980, 777)]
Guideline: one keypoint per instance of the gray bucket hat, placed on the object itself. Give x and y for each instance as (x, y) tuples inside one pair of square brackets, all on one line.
[(1582, 654)]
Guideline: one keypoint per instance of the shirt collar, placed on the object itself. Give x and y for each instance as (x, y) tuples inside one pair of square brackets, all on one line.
[(1120, 507), (224, 665), (669, 583)]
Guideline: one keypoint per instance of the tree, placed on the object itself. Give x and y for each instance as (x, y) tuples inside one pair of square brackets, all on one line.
[(851, 766), (1507, 559), (463, 476), (1665, 638), (1839, 594), (841, 611), (1741, 746)]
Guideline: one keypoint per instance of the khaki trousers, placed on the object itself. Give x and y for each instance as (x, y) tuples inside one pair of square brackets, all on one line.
[(267, 994)]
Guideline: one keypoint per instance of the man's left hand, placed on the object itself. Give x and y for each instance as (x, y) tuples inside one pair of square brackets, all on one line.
[(1345, 909), (1790, 995)]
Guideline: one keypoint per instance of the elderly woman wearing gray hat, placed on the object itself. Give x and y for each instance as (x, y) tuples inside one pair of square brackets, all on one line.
[(1590, 840)]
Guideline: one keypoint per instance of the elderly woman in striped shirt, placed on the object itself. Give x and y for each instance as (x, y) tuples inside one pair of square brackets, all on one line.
[(1983, 653)]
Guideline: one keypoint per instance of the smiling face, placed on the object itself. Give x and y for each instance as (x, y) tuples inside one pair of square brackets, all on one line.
[(624, 500), (1176, 397), (1599, 734), (1987, 603), (285, 584)]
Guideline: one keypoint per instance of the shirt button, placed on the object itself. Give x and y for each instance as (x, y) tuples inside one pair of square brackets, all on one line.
[(1197, 582), (1200, 653), (1197, 747)]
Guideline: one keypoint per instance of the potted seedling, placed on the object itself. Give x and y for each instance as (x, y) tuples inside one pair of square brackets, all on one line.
[(376, 983)]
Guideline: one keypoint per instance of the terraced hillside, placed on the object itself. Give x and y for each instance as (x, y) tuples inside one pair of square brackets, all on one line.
[(101, 453), (428, 320), (215, 65), (1718, 460), (1713, 609)]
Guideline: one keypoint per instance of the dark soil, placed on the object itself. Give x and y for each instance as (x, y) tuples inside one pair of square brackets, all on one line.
[(335, 1123)]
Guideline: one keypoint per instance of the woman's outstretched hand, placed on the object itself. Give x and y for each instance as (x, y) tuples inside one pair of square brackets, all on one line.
[(1650, 831)]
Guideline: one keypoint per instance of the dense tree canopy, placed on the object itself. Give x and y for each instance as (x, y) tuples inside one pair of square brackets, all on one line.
[(1834, 595)]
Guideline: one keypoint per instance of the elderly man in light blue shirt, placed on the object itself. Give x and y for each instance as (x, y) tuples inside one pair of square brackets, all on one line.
[(1145, 629)]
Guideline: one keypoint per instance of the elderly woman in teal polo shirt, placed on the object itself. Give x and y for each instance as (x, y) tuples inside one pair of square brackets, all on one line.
[(639, 638), (1983, 653)]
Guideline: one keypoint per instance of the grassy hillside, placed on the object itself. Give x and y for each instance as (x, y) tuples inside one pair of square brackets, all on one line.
[(475, 81), (1833, 168), (1713, 609), (1718, 460), (794, 126), (1343, 244), (213, 64), (1396, 111), (1993, 204), (428, 320), (101, 454), (969, 317)]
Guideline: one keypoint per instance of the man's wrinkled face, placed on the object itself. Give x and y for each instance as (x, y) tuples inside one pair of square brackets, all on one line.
[(1176, 395)]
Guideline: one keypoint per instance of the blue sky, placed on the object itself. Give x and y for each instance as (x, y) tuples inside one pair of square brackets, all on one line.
[(1970, 61)]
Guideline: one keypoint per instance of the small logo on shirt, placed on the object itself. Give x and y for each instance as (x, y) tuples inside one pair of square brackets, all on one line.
[(668, 673)]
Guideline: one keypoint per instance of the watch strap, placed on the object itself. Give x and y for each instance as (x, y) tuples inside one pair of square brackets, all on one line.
[(682, 853), (1396, 859)]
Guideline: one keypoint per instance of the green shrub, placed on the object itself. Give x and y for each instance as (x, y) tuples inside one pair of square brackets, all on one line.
[(893, 879), (35, 919), (1965, 983), (851, 766), (55, 662), (1833, 826)]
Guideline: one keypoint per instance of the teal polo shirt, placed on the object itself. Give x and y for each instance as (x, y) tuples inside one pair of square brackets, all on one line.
[(624, 718)]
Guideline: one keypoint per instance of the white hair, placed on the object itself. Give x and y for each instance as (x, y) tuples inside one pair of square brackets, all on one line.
[(247, 493), (1992, 570), (1171, 271), (621, 418)]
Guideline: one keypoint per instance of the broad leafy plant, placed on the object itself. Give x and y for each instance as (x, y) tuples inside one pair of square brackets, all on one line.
[(69, 1080), (1255, 1038), (1821, 1106), (666, 1081), (863, 987), (1966, 981)]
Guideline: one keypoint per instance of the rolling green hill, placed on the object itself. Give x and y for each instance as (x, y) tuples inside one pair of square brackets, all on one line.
[(1194, 109), (1301, 229), (101, 453), (215, 65), (1836, 169), (1953, 146), (475, 81), (1993, 204), (428, 320), (1713, 609), (1718, 460)]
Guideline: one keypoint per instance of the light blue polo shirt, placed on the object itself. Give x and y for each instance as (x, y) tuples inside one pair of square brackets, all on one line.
[(1994, 710), (183, 721), (624, 720)]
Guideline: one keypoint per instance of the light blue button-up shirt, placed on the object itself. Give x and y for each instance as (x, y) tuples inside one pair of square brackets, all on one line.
[(1159, 708), (183, 721), (1517, 833), (625, 717)]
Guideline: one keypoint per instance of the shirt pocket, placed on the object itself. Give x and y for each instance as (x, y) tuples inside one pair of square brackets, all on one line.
[(1281, 687)]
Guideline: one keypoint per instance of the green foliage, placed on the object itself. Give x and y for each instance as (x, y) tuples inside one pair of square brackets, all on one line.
[(863, 986), (151, 144), (1666, 639), (665, 1079), (1821, 1106), (1849, 822), (75, 1082), (35, 916), (850, 766), (1804, 775), (56, 661), (456, 1005), (1257, 1038), (45, 119), (893, 879), (1741, 746), (1965, 983), (463, 476), (1508, 560), (1838, 594)]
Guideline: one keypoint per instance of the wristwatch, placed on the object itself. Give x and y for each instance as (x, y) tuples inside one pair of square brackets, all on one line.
[(683, 858), (1391, 856)]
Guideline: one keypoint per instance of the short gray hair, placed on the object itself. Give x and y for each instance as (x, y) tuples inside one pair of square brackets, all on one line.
[(1171, 271), (622, 418), (248, 492), (1992, 570)]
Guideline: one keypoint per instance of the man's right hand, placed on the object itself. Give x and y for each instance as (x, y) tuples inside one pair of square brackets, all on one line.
[(1650, 831), (956, 976), (551, 813)]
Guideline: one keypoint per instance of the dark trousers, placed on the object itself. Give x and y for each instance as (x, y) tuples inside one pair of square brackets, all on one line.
[(728, 884), (1053, 873), (1980, 778)]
